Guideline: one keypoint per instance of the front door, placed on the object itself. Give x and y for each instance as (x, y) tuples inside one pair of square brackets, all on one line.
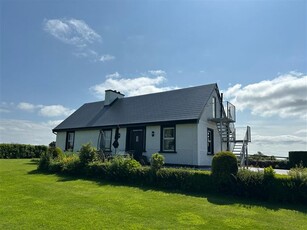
[(136, 143)]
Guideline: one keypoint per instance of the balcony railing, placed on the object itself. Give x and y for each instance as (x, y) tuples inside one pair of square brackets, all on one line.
[(230, 111)]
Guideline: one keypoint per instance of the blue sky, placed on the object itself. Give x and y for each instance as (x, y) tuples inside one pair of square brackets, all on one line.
[(57, 55)]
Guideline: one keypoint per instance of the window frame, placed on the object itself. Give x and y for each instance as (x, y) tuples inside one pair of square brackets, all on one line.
[(162, 138), (214, 107), (69, 146), (210, 142), (108, 130)]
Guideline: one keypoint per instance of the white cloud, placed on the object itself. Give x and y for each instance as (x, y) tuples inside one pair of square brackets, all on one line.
[(26, 132), (279, 139), (106, 57), (6, 107), (46, 110), (284, 96), (55, 111), (132, 86), (4, 110), (71, 31), (113, 75), (157, 72), (78, 34), (27, 106)]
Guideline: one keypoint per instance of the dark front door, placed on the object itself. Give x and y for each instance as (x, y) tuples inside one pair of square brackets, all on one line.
[(136, 143)]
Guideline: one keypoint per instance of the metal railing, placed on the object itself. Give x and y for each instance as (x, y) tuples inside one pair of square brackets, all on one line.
[(230, 110)]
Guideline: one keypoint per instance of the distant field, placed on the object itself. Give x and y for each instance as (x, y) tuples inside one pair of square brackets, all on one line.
[(29, 200)]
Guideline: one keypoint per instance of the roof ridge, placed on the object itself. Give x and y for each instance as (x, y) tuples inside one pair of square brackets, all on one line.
[(168, 91)]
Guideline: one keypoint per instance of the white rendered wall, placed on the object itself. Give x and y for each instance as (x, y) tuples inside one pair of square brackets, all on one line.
[(61, 140), (152, 142), (121, 141), (203, 125), (186, 144), (85, 136)]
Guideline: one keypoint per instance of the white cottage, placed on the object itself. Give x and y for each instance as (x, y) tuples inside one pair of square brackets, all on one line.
[(188, 126)]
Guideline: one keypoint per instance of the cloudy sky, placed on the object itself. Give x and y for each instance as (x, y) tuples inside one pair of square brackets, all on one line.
[(57, 55)]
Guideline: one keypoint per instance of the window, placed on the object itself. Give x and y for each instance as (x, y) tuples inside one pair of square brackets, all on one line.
[(214, 107), (168, 140), (70, 138), (105, 140), (210, 142)]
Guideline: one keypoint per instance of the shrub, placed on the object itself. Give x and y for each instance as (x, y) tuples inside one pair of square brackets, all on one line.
[(183, 179), (55, 152), (277, 164), (123, 168), (268, 173), (87, 154), (224, 167), (249, 184), (71, 164), (299, 173), (298, 157), (44, 162), (12, 151), (97, 169), (55, 166), (52, 144), (156, 161)]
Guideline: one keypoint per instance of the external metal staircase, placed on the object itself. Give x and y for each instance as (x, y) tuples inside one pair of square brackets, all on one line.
[(226, 131), (240, 148), (228, 134)]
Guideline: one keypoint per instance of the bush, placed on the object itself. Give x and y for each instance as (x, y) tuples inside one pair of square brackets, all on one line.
[(298, 157), (13, 151), (268, 173), (44, 162), (249, 184), (276, 164), (97, 169), (299, 173), (156, 161), (224, 168), (55, 152), (123, 168), (87, 154), (183, 179), (52, 144)]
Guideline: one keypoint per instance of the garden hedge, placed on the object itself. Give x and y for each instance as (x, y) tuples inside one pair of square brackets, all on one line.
[(276, 164), (258, 185), (13, 151)]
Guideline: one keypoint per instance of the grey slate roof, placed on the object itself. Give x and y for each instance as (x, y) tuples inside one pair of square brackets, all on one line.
[(176, 105)]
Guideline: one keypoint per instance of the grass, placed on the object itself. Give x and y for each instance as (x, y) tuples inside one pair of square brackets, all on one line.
[(30, 200)]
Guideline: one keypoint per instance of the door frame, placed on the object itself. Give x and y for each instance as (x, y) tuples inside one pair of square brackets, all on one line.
[(128, 137)]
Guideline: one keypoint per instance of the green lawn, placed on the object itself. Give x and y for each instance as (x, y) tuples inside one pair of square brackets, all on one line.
[(30, 200)]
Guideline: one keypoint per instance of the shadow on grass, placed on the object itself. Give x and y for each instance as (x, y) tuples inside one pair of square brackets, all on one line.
[(33, 161), (217, 199)]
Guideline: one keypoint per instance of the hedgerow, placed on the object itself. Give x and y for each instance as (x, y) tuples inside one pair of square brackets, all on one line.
[(16, 151), (257, 185)]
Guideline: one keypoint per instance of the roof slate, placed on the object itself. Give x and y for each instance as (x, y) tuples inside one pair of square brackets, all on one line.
[(176, 105)]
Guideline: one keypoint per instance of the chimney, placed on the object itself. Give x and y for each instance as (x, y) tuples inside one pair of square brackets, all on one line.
[(111, 96)]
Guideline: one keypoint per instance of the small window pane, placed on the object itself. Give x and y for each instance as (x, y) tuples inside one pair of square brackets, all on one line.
[(168, 132), (168, 142), (70, 141), (107, 136), (169, 145)]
